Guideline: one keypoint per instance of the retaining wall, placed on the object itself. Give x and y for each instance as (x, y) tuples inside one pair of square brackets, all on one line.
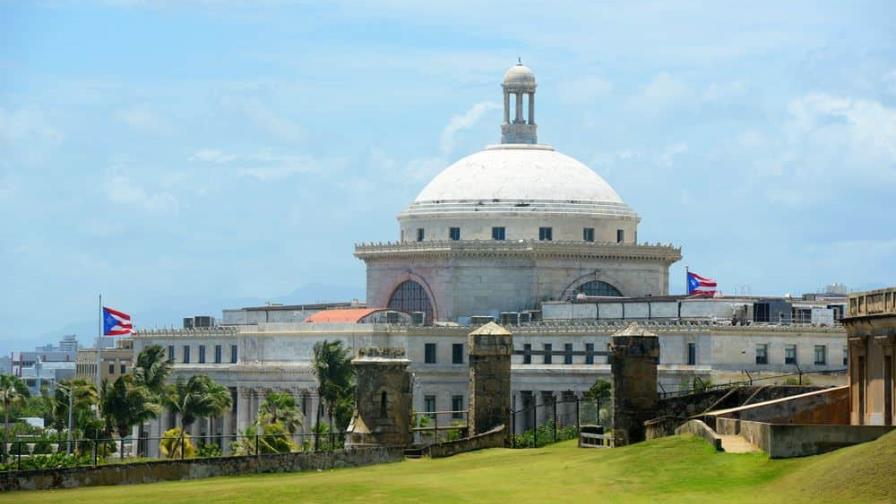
[(173, 470), (494, 438), (698, 428), (828, 406), (793, 440)]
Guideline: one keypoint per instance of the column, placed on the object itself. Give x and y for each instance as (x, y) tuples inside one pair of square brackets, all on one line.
[(227, 430), (242, 396), (531, 108), (519, 107), (506, 107)]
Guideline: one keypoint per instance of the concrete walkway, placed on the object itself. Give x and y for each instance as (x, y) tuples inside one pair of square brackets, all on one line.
[(737, 444)]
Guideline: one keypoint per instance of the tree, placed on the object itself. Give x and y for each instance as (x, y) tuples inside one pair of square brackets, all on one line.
[(13, 393), (126, 403), (152, 369), (599, 392), (195, 398), (280, 408), (332, 367), (83, 400)]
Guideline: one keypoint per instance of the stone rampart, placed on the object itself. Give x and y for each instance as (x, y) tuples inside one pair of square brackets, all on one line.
[(494, 438), (698, 428), (827, 406), (175, 470), (793, 440)]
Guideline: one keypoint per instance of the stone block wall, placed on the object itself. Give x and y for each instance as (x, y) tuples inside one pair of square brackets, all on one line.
[(634, 361), (383, 398), (490, 348), (175, 470)]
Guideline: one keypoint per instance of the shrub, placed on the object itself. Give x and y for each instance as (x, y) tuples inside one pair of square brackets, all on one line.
[(171, 446)]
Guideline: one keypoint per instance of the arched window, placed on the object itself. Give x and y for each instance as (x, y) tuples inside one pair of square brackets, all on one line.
[(383, 404), (409, 297), (598, 288)]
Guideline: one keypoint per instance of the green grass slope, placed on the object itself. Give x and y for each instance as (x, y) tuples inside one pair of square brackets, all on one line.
[(861, 473), (678, 469)]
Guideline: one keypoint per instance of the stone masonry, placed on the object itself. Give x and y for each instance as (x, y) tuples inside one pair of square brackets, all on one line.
[(490, 349), (382, 399), (635, 353)]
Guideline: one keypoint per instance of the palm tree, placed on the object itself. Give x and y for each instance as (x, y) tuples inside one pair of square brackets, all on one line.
[(195, 398), (82, 401), (125, 404), (13, 392), (152, 369), (280, 408), (332, 367)]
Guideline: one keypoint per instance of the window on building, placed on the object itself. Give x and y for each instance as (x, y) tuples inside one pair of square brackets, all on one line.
[(761, 312), (547, 353), (567, 353), (527, 353), (620, 235), (420, 234), (202, 354), (217, 354), (598, 288), (429, 353), (429, 404), (111, 369), (588, 234), (845, 355), (790, 354), (170, 353), (821, 355), (692, 354), (498, 233), (457, 353), (762, 354), (233, 354), (186, 359), (454, 233), (589, 353), (384, 404), (124, 369), (457, 407), (545, 234), (410, 297)]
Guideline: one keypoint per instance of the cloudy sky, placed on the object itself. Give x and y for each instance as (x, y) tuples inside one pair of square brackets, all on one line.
[(183, 157)]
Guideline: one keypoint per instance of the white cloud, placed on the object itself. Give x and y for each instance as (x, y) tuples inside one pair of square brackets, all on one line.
[(667, 158), (142, 118), (721, 91), (890, 81), (664, 90), (267, 119), (464, 121), (212, 156), (124, 191), (17, 126), (585, 90), (866, 128)]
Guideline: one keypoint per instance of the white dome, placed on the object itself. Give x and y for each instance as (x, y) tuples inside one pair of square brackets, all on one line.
[(518, 172), (519, 76)]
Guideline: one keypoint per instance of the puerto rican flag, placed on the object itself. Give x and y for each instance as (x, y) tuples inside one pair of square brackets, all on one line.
[(116, 323), (700, 286)]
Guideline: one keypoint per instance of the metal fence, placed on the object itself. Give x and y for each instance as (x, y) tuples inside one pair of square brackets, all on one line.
[(432, 427), (556, 419), (28, 453)]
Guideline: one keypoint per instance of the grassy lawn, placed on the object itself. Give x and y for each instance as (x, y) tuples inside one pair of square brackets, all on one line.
[(677, 469)]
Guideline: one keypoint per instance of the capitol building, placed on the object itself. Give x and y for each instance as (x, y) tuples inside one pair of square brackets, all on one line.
[(531, 238)]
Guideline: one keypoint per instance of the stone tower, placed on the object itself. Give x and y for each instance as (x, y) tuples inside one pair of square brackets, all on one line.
[(519, 84), (490, 348), (382, 399), (635, 353)]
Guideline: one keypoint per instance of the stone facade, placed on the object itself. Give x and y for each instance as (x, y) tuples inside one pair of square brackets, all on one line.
[(634, 359), (490, 348), (462, 279), (382, 399), (871, 326)]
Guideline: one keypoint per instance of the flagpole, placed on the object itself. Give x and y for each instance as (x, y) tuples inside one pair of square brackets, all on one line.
[(99, 336), (687, 283)]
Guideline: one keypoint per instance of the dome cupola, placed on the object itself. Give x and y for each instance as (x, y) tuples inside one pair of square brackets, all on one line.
[(519, 82)]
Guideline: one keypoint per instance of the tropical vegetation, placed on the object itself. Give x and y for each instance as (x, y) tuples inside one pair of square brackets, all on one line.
[(331, 364)]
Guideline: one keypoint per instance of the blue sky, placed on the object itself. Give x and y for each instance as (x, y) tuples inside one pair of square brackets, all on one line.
[(184, 157)]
